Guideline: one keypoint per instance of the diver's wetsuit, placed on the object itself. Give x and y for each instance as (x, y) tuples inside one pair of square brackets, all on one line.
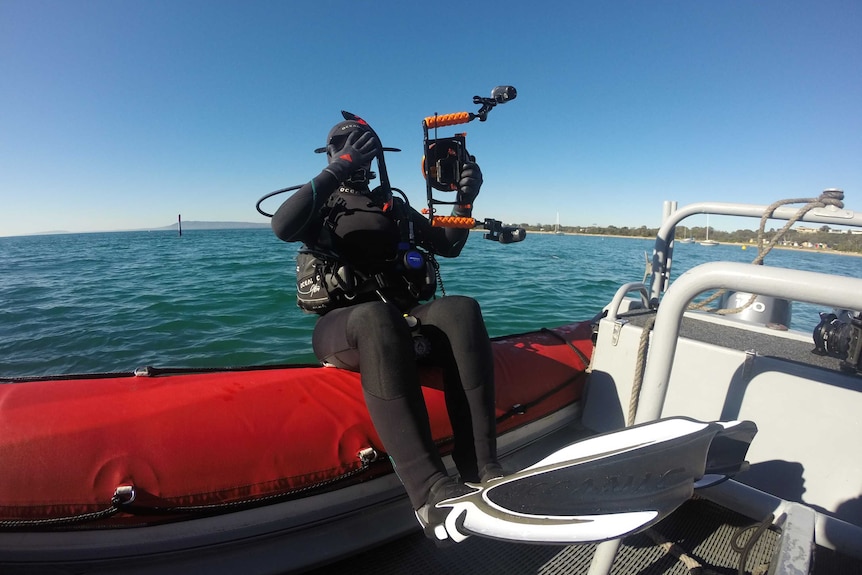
[(372, 336)]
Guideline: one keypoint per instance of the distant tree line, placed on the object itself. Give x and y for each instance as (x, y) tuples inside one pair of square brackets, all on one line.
[(824, 238)]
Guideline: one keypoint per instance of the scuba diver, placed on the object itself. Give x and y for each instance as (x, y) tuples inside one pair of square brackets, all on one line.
[(367, 268)]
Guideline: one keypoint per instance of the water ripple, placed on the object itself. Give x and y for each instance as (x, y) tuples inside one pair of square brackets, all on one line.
[(111, 302)]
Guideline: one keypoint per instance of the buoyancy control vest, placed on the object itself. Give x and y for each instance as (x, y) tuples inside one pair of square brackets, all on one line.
[(404, 275)]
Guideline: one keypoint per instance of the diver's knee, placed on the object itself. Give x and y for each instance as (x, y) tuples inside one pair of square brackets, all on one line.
[(372, 319), (377, 328), (456, 310), (468, 306)]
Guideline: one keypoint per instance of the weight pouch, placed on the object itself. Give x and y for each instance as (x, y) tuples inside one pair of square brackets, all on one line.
[(322, 283)]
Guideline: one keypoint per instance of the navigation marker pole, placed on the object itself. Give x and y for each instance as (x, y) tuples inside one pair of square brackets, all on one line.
[(180, 224)]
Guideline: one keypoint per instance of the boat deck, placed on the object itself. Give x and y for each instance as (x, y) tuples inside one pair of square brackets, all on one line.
[(703, 534), (743, 337)]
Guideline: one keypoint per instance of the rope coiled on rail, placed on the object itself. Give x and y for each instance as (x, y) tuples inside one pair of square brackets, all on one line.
[(827, 198)]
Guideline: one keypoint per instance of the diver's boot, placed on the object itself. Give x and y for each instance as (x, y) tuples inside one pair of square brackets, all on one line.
[(490, 472), (432, 517), (481, 402)]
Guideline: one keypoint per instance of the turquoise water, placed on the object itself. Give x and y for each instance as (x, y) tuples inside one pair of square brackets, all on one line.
[(108, 302)]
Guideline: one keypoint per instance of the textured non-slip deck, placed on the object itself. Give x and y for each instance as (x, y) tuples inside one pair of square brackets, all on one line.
[(701, 530), (710, 536)]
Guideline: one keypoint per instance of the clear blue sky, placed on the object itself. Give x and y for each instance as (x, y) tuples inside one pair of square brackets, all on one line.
[(118, 114)]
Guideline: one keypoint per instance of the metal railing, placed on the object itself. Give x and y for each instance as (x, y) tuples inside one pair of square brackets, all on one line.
[(663, 251)]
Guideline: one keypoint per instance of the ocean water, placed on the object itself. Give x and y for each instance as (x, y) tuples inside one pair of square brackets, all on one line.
[(110, 302)]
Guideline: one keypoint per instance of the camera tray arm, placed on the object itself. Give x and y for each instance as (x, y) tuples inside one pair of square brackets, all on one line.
[(442, 167)]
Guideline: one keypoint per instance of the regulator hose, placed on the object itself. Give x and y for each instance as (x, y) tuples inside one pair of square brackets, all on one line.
[(271, 194)]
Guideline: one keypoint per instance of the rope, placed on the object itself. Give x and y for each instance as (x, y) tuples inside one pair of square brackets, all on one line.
[(671, 548), (579, 353), (59, 521), (521, 408), (640, 365), (827, 198), (744, 549), (118, 505), (216, 508)]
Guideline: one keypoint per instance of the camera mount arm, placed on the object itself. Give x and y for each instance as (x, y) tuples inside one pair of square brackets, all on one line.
[(444, 157), (499, 95)]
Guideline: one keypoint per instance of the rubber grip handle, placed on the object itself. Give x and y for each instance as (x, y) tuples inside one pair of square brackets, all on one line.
[(448, 119), (453, 222)]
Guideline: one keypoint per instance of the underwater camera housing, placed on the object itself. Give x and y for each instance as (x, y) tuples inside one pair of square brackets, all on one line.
[(444, 158), (840, 339)]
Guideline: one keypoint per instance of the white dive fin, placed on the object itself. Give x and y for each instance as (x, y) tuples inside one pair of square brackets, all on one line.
[(604, 487)]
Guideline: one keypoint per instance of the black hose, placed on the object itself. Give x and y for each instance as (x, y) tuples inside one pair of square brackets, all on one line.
[(275, 193)]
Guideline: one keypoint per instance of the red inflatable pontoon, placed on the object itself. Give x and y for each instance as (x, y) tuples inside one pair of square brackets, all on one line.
[(75, 450)]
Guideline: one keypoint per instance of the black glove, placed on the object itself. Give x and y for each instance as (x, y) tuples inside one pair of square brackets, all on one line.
[(358, 151), (468, 189)]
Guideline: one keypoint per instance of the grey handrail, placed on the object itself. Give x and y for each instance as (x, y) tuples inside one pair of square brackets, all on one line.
[(620, 295), (812, 287), (662, 253)]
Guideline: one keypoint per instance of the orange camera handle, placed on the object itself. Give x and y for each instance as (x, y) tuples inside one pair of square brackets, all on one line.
[(448, 119)]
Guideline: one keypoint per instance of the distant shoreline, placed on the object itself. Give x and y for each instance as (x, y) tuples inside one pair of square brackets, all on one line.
[(204, 225), (747, 246), (190, 225), (193, 225)]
